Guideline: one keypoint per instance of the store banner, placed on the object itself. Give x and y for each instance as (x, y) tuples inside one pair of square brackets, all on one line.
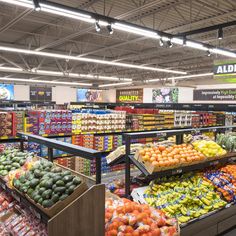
[(165, 95), (129, 95), (89, 95), (214, 95), (6, 92), (225, 70), (40, 94)]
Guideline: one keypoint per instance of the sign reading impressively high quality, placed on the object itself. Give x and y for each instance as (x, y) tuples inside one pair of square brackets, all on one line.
[(129, 95), (214, 95), (6, 91), (41, 94), (165, 95), (89, 95), (225, 70)]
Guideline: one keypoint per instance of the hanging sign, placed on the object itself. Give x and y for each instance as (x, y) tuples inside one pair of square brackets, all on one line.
[(43, 94), (214, 95), (225, 70), (129, 95)]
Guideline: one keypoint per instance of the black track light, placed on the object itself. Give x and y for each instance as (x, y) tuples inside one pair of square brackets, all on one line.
[(36, 5), (220, 33), (169, 44), (161, 42), (110, 30), (184, 41), (97, 27), (208, 53)]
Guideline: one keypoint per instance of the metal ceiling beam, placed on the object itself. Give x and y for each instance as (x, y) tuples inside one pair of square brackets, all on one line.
[(15, 20)]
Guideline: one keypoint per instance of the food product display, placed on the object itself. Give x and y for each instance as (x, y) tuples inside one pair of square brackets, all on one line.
[(7, 124), (46, 183), (11, 160), (125, 218), (162, 157), (227, 141), (209, 148), (186, 197)]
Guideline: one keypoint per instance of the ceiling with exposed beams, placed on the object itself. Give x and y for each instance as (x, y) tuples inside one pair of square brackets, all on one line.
[(24, 28)]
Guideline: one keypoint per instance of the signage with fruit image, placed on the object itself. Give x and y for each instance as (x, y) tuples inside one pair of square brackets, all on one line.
[(89, 95), (165, 95)]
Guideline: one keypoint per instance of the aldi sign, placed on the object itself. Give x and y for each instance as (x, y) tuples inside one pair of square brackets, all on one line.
[(225, 70)]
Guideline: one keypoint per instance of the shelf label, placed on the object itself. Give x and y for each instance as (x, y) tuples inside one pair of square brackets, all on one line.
[(213, 130), (178, 171), (228, 205), (232, 159), (15, 196), (214, 163), (3, 186)]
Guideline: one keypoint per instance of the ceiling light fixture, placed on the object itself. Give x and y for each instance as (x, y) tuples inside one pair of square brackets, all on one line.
[(45, 82), (136, 30), (22, 3), (220, 33), (110, 29), (114, 84), (84, 59), (182, 77), (178, 41), (196, 45), (57, 9), (61, 74), (36, 5), (169, 44), (161, 42), (97, 27)]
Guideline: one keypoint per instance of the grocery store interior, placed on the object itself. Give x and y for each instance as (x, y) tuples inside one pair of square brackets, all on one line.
[(117, 118)]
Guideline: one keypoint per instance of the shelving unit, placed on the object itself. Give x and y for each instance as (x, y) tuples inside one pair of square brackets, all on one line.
[(210, 224)]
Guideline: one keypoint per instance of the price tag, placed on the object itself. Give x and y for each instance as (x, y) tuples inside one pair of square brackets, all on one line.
[(233, 159), (178, 171), (214, 163), (228, 205), (37, 215), (3, 186), (15, 197), (213, 130)]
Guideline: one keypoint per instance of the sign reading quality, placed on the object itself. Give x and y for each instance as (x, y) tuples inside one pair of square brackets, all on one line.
[(129, 95)]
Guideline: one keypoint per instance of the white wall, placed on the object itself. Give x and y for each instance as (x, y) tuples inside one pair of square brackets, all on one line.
[(21, 92), (63, 94), (109, 95)]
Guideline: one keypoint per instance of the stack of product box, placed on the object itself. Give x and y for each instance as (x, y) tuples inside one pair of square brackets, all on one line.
[(49, 122), (7, 124), (93, 121)]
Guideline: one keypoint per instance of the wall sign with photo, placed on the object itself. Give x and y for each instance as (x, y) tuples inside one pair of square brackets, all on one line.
[(6, 91), (89, 95), (165, 95)]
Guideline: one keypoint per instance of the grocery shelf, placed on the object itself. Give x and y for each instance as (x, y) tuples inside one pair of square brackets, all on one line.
[(165, 106), (211, 224), (128, 137), (231, 157)]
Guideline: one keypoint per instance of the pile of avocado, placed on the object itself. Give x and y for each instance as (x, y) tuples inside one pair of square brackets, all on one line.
[(12, 160), (47, 184)]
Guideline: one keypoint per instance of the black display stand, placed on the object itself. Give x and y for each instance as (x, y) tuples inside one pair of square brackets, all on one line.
[(211, 224)]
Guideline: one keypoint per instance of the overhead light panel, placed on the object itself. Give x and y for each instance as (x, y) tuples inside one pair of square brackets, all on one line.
[(223, 52), (84, 59), (61, 74), (220, 33), (114, 84), (196, 45), (178, 41), (49, 8), (97, 27), (22, 3), (182, 77), (36, 5), (135, 30), (44, 82)]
